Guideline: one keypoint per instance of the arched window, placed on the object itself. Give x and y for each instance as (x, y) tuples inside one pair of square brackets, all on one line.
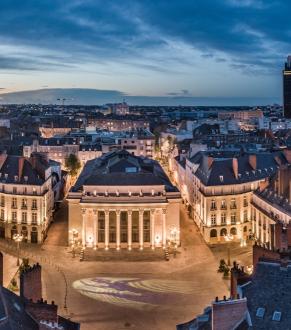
[(213, 233), (233, 231), (223, 232)]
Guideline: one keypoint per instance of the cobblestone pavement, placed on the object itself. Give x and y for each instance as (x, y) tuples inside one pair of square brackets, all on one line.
[(131, 295)]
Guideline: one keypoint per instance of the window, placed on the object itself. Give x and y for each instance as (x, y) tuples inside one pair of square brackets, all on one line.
[(213, 205), (14, 203), (213, 233), (245, 215), (101, 227), (123, 227), (223, 204), (146, 227), (213, 219), (14, 190), (34, 204), (34, 191), (223, 219), (112, 227), (24, 217), (233, 218), (2, 201), (135, 227), (34, 218), (14, 216), (260, 312), (24, 203), (276, 316), (245, 201), (233, 204), (2, 216)]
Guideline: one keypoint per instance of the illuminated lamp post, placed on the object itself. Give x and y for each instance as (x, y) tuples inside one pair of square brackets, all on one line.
[(228, 238), (18, 239)]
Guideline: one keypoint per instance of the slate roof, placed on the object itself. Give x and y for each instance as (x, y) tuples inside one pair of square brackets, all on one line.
[(11, 168), (270, 288), (222, 165), (111, 170), (12, 313)]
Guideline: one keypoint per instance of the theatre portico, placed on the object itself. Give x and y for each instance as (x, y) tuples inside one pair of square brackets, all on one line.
[(123, 201)]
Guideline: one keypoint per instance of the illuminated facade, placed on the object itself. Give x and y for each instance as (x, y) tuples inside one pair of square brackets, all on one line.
[(124, 201), (271, 212), (28, 186), (218, 188)]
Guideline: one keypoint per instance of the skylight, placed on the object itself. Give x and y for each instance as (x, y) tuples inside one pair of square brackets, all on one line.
[(276, 316), (260, 312)]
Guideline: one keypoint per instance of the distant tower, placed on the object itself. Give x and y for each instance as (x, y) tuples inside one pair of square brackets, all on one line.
[(287, 88)]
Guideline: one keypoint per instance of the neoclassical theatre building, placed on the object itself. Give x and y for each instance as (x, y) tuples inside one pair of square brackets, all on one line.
[(124, 201)]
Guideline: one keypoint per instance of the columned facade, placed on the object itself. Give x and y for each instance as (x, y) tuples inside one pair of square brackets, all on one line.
[(125, 228)]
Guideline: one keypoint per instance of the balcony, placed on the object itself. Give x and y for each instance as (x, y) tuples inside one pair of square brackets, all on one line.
[(14, 206), (213, 208), (233, 207), (23, 207), (223, 207)]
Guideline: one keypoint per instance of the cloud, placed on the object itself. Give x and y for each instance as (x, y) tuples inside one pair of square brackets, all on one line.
[(76, 31)]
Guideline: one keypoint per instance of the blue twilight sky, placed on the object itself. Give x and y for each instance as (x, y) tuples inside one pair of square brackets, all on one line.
[(175, 48)]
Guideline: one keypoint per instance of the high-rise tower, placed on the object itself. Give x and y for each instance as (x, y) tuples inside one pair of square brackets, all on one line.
[(287, 88)]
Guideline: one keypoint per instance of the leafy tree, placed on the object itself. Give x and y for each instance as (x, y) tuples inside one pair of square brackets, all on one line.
[(223, 268), (72, 164)]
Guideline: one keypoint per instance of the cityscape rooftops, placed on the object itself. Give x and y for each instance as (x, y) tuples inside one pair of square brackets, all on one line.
[(227, 167)]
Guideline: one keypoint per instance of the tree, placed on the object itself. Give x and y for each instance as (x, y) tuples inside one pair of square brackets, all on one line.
[(223, 268), (72, 164)]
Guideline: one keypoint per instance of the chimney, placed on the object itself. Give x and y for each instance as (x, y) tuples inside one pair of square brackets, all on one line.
[(284, 176), (227, 314), (209, 161), (235, 167), (233, 281), (253, 161), (20, 167), (278, 235), (30, 283)]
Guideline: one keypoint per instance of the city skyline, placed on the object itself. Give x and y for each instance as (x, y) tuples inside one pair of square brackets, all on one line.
[(226, 49)]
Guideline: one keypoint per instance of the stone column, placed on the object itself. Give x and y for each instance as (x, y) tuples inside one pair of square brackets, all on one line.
[(129, 229), (117, 229), (164, 228), (141, 229), (84, 228), (153, 228), (95, 228), (106, 229)]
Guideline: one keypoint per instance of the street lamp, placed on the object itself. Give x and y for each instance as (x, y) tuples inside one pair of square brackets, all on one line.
[(174, 239), (18, 238), (228, 238), (75, 234)]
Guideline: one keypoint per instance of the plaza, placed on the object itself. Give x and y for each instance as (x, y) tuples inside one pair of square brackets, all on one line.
[(133, 295)]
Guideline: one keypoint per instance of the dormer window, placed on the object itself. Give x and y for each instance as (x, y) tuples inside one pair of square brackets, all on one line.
[(221, 178), (130, 170), (16, 178)]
